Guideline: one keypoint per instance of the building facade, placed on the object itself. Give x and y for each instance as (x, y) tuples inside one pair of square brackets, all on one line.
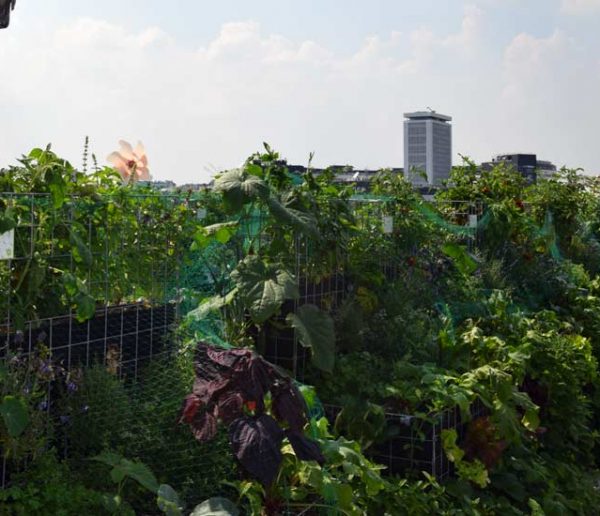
[(427, 147), (527, 165)]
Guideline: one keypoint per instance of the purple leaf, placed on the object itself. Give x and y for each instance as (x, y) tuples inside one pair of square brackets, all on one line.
[(256, 443), (204, 366), (190, 407), (261, 375), (208, 391), (305, 448), (288, 404), (235, 358), (229, 406), (204, 426)]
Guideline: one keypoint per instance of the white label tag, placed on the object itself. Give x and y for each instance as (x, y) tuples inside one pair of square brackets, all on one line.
[(7, 245), (388, 224), (472, 221), (201, 213)]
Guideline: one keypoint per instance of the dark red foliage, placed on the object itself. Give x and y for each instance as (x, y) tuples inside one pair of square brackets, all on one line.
[(191, 404), (234, 358), (204, 426), (305, 448), (230, 382), (288, 404), (481, 442), (256, 443), (230, 406)]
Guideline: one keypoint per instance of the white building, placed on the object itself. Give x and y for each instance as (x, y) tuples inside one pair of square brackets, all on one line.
[(427, 147)]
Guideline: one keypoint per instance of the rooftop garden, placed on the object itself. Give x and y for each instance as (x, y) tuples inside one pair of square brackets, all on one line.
[(279, 345)]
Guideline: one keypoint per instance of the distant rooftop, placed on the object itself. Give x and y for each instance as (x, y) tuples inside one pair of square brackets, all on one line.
[(428, 115)]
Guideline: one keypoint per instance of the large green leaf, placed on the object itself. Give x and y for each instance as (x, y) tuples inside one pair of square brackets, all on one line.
[(220, 233), (212, 304), (216, 506), (168, 501), (108, 458), (139, 472), (263, 287), (463, 261), (122, 468), (7, 222), (81, 252), (300, 220), (85, 306), (15, 415), (239, 188), (315, 331)]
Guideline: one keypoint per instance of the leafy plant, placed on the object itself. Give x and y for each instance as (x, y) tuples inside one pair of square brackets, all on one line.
[(230, 387), (49, 487), (124, 469)]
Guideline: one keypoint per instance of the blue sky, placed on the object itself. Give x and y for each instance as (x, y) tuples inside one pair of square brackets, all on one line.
[(202, 84)]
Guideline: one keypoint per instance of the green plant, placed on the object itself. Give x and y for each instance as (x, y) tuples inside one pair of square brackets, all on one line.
[(49, 487), (81, 239), (139, 419), (270, 215), (25, 384), (124, 469)]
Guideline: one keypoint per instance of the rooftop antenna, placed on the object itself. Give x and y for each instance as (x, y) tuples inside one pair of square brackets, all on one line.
[(431, 110)]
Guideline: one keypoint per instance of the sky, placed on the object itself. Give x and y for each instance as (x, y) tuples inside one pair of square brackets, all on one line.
[(203, 84)]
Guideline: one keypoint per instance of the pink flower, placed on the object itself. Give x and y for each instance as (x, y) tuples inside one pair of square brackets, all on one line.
[(131, 163)]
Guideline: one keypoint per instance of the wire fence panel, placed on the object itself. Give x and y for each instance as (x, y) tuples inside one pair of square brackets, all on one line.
[(92, 273), (416, 445), (94, 282)]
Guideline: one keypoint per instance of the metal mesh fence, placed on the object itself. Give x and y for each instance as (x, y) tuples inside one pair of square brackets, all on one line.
[(101, 281), (92, 273), (95, 284), (416, 445)]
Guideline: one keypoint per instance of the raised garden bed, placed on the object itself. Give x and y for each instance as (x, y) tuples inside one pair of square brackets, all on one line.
[(281, 346), (134, 332), (416, 445)]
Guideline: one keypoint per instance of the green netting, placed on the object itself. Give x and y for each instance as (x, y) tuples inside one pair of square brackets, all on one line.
[(433, 216), (548, 234)]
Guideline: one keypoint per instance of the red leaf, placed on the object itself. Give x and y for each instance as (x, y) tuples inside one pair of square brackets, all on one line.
[(229, 407), (256, 443), (288, 404), (235, 358), (191, 404), (305, 448), (204, 427), (209, 391)]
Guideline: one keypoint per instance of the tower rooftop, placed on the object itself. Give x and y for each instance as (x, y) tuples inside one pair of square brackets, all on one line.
[(425, 115)]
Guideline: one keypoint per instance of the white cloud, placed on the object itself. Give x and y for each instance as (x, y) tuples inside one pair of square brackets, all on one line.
[(216, 104), (531, 62), (548, 99), (576, 7)]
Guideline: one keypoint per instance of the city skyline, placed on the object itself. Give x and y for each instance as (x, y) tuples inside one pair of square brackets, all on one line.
[(514, 76)]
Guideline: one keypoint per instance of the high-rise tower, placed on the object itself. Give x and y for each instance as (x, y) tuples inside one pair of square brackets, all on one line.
[(427, 147)]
